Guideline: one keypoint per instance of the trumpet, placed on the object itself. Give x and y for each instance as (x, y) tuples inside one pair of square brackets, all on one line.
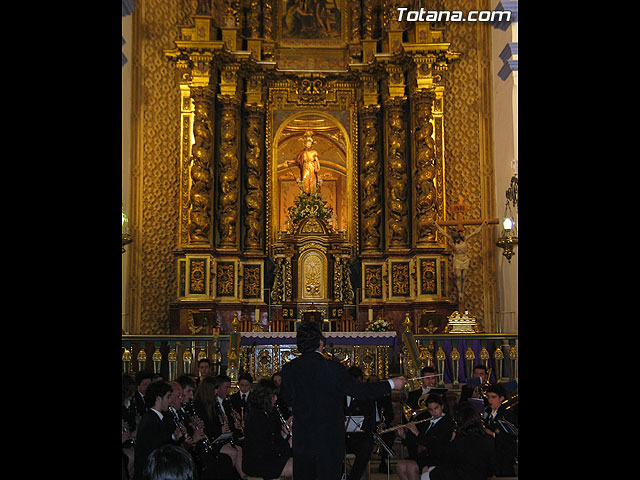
[(402, 425)]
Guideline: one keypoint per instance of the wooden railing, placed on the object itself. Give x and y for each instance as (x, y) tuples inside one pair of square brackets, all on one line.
[(173, 355), (455, 355)]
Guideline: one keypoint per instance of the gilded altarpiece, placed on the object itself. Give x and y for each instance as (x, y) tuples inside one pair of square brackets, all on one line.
[(393, 103)]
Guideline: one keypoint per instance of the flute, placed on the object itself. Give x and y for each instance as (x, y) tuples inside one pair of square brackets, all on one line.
[(402, 426)]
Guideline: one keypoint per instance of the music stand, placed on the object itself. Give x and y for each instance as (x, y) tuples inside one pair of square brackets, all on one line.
[(387, 449)]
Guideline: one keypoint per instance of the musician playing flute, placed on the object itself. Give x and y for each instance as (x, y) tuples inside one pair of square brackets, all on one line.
[(267, 439), (429, 380), (433, 435)]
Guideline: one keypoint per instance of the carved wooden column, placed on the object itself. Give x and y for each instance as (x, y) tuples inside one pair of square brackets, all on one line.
[(200, 201), (229, 174), (424, 168), (255, 179), (371, 205), (397, 186)]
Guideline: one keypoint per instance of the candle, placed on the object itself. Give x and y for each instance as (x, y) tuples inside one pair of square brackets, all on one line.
[(370, 314), (257, 315)]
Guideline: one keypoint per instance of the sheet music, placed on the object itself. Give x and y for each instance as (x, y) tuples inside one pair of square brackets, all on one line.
[(223, 436), (354, 423)]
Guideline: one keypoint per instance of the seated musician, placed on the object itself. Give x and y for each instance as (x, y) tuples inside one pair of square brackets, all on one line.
[(361, 443), (215, 422), (267, 443), (227, 410), (209, 464), (433, 435), (471, 453), (428, 386), (281, 405), (506, 441), (239, 399), (481, 372)]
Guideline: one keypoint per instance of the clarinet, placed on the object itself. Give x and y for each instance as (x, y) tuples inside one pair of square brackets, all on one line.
[(177, 421), (206, 443), (283, 421)]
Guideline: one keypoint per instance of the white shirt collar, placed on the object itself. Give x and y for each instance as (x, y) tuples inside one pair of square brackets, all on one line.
[(157, 413)]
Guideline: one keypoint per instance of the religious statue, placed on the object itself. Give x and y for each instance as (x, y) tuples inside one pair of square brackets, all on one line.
[(460, 257), (309, 164)]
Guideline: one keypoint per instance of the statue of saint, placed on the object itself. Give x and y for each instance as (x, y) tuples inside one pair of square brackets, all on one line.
[(309, 164), (460, 257)]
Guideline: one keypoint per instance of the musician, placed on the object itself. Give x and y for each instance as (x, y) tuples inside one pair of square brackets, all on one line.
[(152, 431), (232, 417), (281, 405), (239, 399), (433, 435), (129, 423), (506, 442), (361, 443), (267, 451), (471, 453), (207, 408), (143, 380), (204, 369), (384, 418), (428, 386), (315, 387), (481, 372), (170, 461)]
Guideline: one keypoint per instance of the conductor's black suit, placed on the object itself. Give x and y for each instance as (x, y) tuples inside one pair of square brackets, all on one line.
[(315, 388)]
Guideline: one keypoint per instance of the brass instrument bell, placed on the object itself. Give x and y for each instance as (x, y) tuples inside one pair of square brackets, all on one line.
[(409, 414)]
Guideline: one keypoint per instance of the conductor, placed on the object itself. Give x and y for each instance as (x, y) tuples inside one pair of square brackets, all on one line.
[(315, 388)]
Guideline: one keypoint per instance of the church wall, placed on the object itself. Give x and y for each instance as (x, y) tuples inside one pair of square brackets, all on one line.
[(155, 153), (505, 101), (127, 34)]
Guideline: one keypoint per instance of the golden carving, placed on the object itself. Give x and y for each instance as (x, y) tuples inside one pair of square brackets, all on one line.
[(201, 172), (313, 275), (251, 281), (373, 281), (426, 207), (228, 166), (371, 207), (254, 197), (397, 177), (225, 278), (400, 279)]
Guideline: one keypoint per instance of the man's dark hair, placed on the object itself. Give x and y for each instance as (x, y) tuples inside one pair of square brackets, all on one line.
[(427, 369), (156, 389), (246, 376), (223, 378), (141, 375), (169, 462), (185, 381), (356, 372), (481, 367), (308, 337), (434, 398), (204, 360), (498, 389)]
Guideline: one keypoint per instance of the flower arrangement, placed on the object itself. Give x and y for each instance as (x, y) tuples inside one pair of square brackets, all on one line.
[(309, 205), (379, 325)]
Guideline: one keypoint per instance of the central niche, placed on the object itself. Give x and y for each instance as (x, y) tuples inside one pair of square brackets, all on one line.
[(330, 143)]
